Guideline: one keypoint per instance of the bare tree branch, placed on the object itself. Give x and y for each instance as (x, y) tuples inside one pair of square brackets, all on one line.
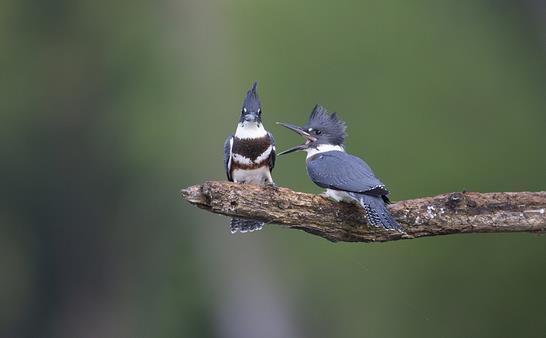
[(466, 212)]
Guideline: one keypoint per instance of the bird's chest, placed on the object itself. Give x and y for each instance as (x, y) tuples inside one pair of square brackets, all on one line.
[(251, 154), (250, 160), (251, 150)]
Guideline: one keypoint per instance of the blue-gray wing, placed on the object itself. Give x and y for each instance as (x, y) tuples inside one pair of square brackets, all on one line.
[(273, 154), (227, 156), (341, 171)]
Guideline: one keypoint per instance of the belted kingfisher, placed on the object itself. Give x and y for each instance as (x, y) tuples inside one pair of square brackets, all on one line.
[(345, 177), (249, 154)]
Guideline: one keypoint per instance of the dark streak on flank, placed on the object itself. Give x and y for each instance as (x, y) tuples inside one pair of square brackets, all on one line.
[(244, 166)]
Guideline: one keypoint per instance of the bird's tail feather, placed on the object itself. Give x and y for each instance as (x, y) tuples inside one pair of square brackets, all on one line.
[(245, 225), (376, 211)]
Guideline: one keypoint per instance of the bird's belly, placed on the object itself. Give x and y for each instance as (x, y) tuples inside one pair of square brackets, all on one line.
[(338, 195), (259, 175)]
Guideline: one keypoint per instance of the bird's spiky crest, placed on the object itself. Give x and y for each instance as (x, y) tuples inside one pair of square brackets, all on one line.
[(333, 130), (252, 101)]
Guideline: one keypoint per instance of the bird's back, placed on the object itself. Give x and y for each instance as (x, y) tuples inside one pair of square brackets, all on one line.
[(342, 171)]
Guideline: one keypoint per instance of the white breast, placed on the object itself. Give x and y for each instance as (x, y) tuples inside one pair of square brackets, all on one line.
[(253, 176)]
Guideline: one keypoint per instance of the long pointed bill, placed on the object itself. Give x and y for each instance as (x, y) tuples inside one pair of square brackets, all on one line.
[(293, 149), (308, 138)]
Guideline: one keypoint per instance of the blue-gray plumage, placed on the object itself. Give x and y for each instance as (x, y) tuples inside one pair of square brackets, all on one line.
[(341, 171), (346, 177), (249, 154)]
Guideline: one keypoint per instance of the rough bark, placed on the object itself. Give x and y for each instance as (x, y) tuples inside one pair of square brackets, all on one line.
[(452, 213)]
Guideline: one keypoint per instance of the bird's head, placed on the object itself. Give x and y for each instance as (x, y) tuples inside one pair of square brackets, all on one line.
[(321, 129), (251, 112)]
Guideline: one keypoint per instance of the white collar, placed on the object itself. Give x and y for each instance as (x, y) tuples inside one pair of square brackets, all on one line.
[(322, 148)]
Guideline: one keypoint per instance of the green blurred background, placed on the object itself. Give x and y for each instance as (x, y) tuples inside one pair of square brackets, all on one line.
[(108, 108)]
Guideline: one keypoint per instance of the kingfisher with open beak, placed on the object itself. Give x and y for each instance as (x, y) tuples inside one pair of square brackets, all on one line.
[(345, 177)]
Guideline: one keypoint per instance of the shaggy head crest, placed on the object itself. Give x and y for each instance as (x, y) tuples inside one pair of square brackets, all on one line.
[(327, 128)]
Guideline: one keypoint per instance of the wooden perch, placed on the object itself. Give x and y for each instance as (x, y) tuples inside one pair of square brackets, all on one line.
[(466, 212)]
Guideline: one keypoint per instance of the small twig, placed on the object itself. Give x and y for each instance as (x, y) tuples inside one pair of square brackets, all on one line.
[(452, 213)]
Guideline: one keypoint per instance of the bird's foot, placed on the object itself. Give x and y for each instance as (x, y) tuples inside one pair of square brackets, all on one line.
[(271, 185)]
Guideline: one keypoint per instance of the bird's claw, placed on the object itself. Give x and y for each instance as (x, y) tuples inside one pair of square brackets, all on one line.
[(271, 185)]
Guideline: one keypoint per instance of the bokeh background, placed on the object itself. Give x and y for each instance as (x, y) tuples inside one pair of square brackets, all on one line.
[(108, 108)]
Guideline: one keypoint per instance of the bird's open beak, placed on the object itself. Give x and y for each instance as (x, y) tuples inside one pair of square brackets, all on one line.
[(308, 138)]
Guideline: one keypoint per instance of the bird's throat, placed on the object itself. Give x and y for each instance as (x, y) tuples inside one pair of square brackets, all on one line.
[(322, 148)]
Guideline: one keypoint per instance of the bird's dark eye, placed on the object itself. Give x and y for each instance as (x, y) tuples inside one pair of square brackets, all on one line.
[(259, 112), (318, 132)]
